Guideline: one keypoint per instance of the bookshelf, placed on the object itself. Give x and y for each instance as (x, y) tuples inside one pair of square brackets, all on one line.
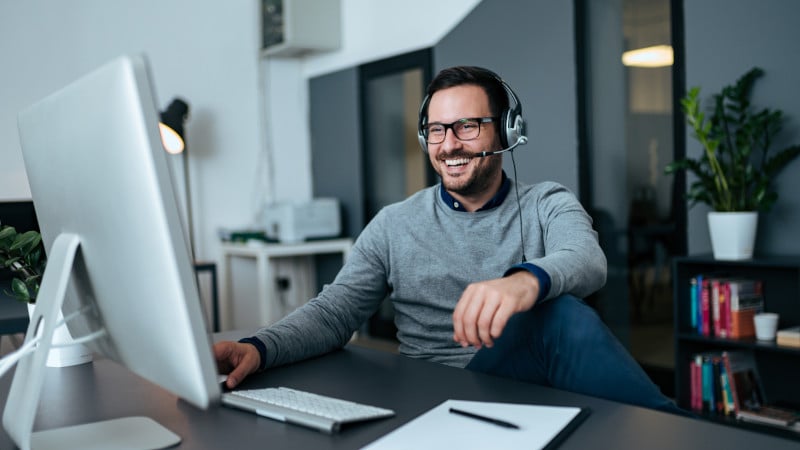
[(779, 366)]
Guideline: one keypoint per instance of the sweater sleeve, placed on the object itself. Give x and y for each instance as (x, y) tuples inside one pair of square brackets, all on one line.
[(328, 321), (571, 255)]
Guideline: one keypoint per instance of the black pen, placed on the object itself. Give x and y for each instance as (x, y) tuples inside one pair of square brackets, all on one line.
[(499, 422)]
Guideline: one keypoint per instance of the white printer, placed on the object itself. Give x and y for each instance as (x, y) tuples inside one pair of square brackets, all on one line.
[(295, 222)]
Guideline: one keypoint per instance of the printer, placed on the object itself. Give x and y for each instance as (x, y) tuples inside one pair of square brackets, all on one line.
[(296, 222)]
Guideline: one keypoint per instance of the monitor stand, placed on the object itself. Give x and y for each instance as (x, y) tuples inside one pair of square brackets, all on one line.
[(23, 398)]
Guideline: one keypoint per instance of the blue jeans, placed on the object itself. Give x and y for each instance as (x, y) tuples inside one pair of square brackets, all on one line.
[(563, 343)]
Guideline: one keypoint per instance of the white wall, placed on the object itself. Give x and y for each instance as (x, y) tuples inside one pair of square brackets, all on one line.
[(205, 52), (208, 53)]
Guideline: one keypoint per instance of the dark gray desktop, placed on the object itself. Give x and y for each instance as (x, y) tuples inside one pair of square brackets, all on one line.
[(104, 389)]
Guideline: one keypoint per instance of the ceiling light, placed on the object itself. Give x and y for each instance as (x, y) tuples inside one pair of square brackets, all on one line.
[(655, 56)]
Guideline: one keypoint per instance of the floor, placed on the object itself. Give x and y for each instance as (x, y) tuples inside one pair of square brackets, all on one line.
[(651, 336)]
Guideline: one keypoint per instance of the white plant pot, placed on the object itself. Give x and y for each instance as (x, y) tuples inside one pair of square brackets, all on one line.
[(733, 234), (63, 352)]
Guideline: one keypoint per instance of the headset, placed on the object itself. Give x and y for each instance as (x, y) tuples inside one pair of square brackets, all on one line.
[(512, 125)]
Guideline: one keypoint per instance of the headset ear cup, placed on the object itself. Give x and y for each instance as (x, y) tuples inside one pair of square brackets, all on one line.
[(511, 122), (516, 129), (506, 124), (422, 120)]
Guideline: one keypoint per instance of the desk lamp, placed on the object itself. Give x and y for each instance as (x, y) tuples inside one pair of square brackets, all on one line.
[(172, 133)]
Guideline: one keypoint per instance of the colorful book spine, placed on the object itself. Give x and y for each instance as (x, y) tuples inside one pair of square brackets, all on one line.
[(705, 308), (726, 309), (709, 403), (696, 383), (722, 299), (699, 308), (727, 393), (715, 310), (693, 303)]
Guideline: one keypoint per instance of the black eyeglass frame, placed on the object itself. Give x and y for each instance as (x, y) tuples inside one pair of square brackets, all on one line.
[(479, 120)]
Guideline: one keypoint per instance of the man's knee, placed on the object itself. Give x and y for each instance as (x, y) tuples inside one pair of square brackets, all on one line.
[(567, 317)]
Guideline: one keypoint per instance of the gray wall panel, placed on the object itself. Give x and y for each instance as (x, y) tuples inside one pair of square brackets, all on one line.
[(724, 39), (531, 45)]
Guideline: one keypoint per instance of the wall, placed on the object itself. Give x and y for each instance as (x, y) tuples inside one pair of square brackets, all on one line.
[(547, 93), (203, 51), (724, 39), (248, 131), (531, 44)]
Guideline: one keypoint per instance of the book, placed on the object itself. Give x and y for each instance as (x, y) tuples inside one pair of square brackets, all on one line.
[(788, 336), (746, 299), (693, 302), (715, 307), (705, 307), (709, 403), (696, 382), (749, 401), (720, 307), (727, 394)]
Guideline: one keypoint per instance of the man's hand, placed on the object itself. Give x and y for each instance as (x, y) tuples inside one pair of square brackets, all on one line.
[(236, 359), (484, 308)]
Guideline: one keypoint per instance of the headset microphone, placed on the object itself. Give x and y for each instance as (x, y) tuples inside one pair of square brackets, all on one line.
[(522, 140)]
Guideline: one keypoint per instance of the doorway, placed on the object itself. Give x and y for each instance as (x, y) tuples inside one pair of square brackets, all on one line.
[(629, 133), (391, 91)]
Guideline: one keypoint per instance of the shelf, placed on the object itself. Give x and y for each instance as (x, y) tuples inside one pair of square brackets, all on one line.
[(779, 366), (752, 344), (732, 422)]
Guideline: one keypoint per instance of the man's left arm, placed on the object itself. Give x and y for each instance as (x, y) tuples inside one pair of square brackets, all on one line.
[(572, 259), (573, 262)]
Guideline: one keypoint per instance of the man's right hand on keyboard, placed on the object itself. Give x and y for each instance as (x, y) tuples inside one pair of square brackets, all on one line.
[(237, 360)]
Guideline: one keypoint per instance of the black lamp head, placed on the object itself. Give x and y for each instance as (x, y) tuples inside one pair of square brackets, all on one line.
[(173, 119), (175, 115)]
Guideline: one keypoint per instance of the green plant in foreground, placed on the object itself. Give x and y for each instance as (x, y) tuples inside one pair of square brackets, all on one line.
[(23, 254)]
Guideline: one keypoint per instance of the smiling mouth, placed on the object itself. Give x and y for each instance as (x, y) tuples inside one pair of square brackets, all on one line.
[(457, 162)]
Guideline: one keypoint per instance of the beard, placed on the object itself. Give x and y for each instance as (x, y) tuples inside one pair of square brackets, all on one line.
[(475, 182)]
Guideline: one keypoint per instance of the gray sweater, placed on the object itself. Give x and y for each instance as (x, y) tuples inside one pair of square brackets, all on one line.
[(421, 254)]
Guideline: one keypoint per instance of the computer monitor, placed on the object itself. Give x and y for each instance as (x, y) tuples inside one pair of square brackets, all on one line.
[(109, 218)]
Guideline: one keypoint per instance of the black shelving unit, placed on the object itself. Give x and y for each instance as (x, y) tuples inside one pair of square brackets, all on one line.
[(779, 366)]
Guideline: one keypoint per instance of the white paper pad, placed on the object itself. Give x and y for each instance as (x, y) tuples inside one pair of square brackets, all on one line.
[(439, 429)]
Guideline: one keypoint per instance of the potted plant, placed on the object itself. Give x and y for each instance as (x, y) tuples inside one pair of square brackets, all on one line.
[(734, 173), (23, 254)]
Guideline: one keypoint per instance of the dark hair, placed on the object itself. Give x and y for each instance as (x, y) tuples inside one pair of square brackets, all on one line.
[(489, 81)]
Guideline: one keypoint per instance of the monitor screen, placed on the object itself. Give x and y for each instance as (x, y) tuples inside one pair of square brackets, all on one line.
[(99, 177)]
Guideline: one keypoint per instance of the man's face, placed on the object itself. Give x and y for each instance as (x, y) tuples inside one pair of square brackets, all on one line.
[(462, 174)]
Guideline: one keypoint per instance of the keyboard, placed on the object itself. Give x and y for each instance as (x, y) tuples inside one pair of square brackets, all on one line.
[(326, 414)]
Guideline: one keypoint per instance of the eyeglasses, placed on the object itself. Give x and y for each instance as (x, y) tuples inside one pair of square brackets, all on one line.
[(465, 129)]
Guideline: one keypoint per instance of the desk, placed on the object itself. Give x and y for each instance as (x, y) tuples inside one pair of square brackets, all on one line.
[(73, 395), (267, 257)]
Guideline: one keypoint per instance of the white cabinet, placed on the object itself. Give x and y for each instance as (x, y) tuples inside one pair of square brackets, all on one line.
[(247, 305)]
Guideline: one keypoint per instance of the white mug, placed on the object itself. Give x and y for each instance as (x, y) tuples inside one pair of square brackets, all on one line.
[(766, 325)]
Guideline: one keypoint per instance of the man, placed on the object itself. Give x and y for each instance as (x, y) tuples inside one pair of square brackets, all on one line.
[(479, 277)]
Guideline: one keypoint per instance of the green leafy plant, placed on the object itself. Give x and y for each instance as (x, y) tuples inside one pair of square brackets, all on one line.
[(735, 170), (23, 254)]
